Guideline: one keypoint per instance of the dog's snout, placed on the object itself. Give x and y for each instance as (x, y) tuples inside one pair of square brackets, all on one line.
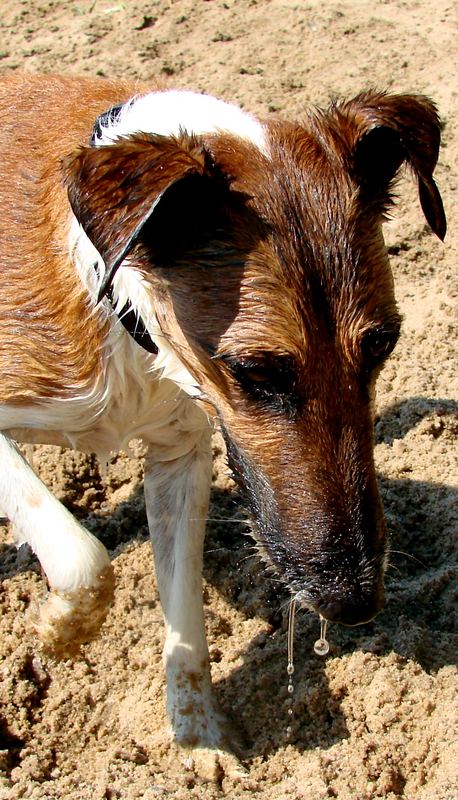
[(350, 610)]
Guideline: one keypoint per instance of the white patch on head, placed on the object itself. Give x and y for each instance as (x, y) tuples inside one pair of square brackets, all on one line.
[(170, 112)]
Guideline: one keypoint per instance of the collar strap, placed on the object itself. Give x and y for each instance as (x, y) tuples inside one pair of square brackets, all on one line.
[(109, 117), (133, 324)]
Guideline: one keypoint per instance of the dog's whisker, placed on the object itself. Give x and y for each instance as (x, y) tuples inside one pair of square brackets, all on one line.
[(408, 555), (228, 520), (391, 566)]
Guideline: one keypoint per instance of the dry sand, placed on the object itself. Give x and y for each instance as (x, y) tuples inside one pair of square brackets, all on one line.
[(378, 718)]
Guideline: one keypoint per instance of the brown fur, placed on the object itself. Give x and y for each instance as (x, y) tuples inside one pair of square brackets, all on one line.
[(40, 285)]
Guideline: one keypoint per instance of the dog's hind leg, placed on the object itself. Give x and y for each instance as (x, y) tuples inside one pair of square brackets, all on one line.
[(76, 564)]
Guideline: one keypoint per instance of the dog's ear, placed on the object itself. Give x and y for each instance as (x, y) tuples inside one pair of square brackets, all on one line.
[(388, 130), (115, 189)]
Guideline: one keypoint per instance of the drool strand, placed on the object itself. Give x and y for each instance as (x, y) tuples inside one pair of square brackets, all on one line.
[(321, 646), (290, 665)]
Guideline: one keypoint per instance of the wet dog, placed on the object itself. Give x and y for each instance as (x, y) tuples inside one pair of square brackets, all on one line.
[(168, 261)]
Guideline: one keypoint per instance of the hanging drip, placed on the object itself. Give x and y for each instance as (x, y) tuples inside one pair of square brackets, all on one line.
[(290, 665), (321, 646)]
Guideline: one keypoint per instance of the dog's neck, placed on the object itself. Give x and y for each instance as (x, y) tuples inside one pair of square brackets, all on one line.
[(129, 288)]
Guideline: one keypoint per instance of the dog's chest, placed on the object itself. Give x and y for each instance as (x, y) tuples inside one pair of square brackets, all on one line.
[(128, 401)]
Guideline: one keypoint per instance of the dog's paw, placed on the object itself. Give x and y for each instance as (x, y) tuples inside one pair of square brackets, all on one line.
[(213, 765), (211, 745), (68, 619), (197, 720)]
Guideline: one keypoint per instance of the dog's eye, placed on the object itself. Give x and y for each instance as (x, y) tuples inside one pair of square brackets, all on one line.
[(257, 375), (270, 380), (377, 344)]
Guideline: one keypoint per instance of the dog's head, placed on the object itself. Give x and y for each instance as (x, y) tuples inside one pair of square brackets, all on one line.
[(272, 283)]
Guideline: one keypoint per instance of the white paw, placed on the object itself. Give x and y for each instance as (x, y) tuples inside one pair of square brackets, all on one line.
[(68, 619), (213, 766), (198, 723)]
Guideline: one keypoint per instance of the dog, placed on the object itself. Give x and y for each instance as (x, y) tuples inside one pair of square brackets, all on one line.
[(170, 262)]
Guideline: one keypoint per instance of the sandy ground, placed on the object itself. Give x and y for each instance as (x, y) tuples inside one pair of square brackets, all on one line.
[(378, 718)]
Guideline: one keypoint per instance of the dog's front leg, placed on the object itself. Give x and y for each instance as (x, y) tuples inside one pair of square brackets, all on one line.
[(77, 566), (177, 493)]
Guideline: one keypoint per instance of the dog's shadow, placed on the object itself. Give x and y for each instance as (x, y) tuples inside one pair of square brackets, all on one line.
[(399, 418), (417, 622)]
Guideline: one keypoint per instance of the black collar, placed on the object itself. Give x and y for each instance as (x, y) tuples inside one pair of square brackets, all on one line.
[(133, 324), (109, 117)]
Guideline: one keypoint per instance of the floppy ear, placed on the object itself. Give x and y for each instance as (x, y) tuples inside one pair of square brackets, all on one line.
[(390, 130), (115, 189)]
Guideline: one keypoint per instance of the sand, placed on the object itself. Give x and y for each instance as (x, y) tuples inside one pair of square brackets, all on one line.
[(378, 717)]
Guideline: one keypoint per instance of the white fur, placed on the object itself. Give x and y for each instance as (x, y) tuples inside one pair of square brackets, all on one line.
[(137, 395), (70, 556), (168, 113), (177, 495), (133, 400)]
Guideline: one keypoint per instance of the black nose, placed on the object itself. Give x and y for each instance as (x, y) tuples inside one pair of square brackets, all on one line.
[(350, 610)]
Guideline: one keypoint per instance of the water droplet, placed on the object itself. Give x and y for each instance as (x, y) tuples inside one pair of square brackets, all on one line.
[(290, 665), (321, 647)]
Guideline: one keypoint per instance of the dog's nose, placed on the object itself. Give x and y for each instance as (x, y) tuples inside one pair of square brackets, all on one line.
[(348, 610)]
